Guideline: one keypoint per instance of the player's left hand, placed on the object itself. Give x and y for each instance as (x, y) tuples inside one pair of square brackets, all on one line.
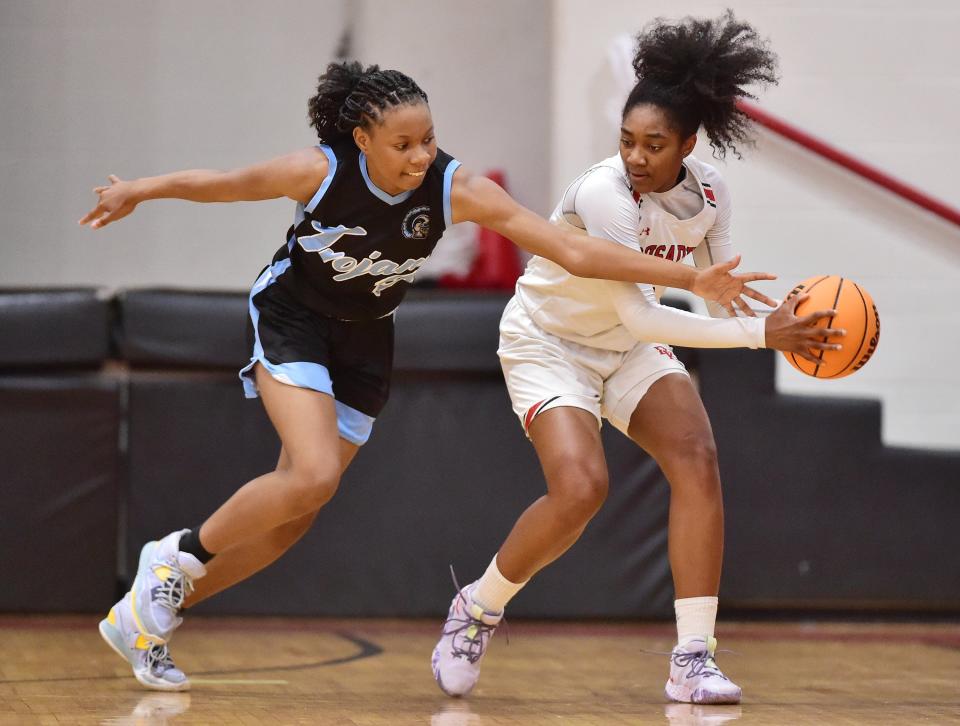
[(728, 288)]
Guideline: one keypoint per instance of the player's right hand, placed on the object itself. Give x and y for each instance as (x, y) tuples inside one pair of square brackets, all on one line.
[(800, 336), (115, 202)]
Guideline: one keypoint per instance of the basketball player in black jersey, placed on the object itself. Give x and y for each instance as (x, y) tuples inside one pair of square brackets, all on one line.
[(373, 198)]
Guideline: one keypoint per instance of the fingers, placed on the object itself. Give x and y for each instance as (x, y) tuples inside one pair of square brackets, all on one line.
[(113, 178), (742, 305), (754, 276), (96, 218), (807, 355), (831, 332), (728, 306), (759, 297), (819, 315), (729, 264), (823, 345), (102, 221), (92, 214), (791, 302)]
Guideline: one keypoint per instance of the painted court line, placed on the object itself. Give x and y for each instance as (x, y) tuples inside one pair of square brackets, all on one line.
[(239, 681)]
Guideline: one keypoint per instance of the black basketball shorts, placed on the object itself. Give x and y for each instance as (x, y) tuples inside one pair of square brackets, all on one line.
[(349, 360)]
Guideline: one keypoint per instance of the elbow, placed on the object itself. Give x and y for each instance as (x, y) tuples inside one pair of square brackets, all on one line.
[(574, 260)]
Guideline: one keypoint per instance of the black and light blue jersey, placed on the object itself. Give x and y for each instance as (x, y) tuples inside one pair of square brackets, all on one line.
[(354, 249)]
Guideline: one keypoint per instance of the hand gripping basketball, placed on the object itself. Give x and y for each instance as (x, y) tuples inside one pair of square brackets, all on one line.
[(787, 332)]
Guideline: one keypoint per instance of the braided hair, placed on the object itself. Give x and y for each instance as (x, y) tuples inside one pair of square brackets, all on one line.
[(695, 70), (349, 95)]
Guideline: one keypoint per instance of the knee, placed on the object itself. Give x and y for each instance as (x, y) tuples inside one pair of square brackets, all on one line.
[(695, 460), (581, 493), (311, 485)]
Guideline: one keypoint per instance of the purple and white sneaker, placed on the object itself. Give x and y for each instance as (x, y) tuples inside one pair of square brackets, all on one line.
[(463, 642), (695, 676)]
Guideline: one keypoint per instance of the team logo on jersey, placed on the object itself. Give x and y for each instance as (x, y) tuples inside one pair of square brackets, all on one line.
[(350, 267), (416, 225)]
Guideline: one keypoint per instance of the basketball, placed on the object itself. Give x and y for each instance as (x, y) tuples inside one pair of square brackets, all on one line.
[(856, 313)]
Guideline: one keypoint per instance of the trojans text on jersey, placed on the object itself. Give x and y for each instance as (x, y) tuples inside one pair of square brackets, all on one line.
[(350, 267)]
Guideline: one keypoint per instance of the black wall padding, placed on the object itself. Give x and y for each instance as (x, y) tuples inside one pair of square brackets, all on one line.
[(445, 475), (193, 440), (49, 327), (436, 330), (818, 513), (441, 331), (61, 474), (160, 327)]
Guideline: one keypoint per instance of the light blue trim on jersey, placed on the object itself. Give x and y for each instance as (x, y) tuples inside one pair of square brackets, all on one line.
[(447, 185), (302, 374), (377, 191), (328, 180), (298, 217), (354, 426)]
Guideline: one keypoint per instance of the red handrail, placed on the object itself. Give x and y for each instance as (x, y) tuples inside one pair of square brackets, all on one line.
[(847, 161)]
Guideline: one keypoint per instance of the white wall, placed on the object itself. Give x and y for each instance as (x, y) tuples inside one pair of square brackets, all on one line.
[(136, 88), (874, 77), (486, 68)]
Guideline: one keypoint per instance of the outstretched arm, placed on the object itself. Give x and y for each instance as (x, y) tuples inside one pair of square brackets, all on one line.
[(296, 175), (648, 320), (477, 199)]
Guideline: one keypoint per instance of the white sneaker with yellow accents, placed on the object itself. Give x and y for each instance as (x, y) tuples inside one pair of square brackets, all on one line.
[(165, 577), (152, 664), (463, 642), (695, 676)]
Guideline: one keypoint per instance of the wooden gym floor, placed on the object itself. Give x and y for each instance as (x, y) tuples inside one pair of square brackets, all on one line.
[(56, 670)]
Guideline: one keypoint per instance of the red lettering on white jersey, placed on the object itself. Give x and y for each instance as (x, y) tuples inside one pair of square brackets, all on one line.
[(670, 252)]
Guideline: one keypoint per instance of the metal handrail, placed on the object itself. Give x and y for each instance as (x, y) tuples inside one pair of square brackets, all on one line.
[(861, 168)]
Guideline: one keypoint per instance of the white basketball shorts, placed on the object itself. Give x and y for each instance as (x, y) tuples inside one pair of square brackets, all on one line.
[(544, 371)]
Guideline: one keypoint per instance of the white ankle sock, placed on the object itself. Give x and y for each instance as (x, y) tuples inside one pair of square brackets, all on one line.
[(493, 590), (696, 618)]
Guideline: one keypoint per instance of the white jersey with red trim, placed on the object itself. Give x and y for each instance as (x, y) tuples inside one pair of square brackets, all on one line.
[(692, 217)]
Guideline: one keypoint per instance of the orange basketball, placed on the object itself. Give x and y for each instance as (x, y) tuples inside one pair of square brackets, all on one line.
[(856, 314)]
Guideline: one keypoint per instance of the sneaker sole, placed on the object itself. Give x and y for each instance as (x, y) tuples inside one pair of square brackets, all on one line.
[(679, 694), (112, 637)]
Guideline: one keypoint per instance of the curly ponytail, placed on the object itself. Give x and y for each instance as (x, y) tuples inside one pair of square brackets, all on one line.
[(349, 95), (695, 70)]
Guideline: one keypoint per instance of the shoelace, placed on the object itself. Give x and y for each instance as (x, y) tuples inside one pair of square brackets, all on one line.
[(701, 664), (171, 592), (158, 659), (476, 642), (472, 646)]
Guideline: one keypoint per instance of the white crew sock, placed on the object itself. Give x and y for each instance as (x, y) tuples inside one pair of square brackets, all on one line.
[(696, 618), (493, 590)]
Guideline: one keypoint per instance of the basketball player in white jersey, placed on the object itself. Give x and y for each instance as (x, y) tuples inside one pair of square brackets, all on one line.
[(575, 351)]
